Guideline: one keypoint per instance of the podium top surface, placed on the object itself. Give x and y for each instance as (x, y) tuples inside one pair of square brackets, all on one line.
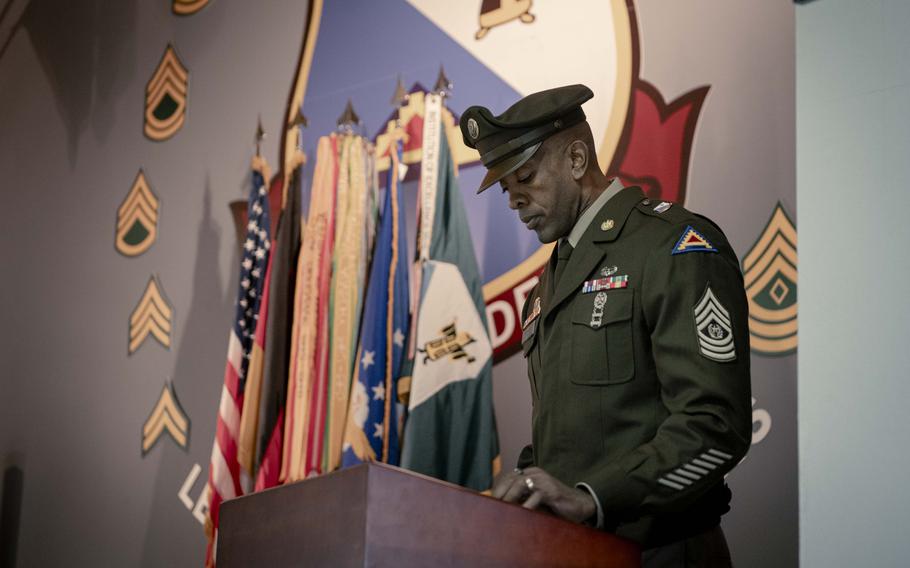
[(380, 515)]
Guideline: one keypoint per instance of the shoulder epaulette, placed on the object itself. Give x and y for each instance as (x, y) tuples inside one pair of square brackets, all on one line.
[(669, 212)]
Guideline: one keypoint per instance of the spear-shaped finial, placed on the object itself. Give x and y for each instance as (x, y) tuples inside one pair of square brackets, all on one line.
[(348, 119), (400, 98), (260, 136), (300, 120), (443, 86)]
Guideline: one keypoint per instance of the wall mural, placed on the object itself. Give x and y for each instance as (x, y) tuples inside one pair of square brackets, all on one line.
[(644, 137), (512, 48), (771, 276)]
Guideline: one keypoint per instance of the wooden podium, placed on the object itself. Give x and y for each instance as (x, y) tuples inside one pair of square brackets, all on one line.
[(378, 515)]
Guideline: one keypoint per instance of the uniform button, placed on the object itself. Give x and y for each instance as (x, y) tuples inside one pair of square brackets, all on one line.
[(646, 202)]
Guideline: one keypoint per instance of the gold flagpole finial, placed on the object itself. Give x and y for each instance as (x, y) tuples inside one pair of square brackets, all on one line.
[(443, 86)]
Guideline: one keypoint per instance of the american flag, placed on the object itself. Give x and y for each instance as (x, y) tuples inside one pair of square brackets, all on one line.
[(224, 471)]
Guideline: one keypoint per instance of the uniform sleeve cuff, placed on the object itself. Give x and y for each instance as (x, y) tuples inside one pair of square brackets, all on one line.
[(600, 511)]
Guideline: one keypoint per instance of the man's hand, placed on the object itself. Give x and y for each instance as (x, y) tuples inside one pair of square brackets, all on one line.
[(534, 487)]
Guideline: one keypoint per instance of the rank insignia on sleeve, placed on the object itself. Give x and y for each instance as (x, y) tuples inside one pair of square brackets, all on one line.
[(532, 315), (714, 329), (608, 283), (692, 241)]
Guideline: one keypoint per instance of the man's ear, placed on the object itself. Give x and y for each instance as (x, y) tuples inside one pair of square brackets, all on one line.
[(579, 155)]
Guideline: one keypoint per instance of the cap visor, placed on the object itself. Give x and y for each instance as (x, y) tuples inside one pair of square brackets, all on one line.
[(507, 166)]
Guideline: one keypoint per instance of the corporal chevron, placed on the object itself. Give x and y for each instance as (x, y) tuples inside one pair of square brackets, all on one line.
[(770, 273), (152, 316), (166, 97), (137, 219), (167, 416)]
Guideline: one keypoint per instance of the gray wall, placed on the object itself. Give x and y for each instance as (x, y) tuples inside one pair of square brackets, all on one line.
[(72, 87), (853, 172)]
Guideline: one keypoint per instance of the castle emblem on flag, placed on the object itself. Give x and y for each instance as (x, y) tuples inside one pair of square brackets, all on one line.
[(451, 344)]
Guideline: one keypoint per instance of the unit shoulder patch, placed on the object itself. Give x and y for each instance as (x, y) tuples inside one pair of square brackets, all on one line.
[(692, 241), (713, 328)]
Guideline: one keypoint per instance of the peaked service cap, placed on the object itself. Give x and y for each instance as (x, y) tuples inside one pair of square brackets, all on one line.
[(507, 141)]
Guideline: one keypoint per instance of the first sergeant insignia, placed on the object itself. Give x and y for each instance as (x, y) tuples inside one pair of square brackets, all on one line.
[(714, 329), (137, 219), (770, 274), (452, 344), (165, 97), (692, 241)]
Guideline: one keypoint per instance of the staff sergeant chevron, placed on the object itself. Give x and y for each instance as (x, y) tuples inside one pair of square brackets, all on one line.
[(167, 416), (770, 274), (137, 219), (152, 316), (165, 97)]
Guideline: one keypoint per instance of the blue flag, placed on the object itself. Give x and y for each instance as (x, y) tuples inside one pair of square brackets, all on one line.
[(371, 432)]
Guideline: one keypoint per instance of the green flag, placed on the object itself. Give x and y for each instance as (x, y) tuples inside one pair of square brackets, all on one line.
[(450, 432)]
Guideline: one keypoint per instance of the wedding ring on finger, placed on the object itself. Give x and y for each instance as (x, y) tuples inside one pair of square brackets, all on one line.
[(518, 471), (529, 483)]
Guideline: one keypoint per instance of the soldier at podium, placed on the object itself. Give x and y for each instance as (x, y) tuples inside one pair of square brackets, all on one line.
[(636, 341)]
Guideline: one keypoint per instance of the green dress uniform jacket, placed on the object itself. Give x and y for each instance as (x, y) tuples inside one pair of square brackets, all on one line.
[(638, 359)]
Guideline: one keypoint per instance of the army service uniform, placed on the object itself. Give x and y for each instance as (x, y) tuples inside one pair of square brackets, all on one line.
[(638, 360), (637, 344)]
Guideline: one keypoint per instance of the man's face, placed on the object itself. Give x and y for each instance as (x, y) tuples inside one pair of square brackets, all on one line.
[(544, 193)]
